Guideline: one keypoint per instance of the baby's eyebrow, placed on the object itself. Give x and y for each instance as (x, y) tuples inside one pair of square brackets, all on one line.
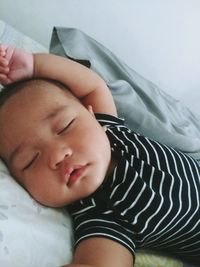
[(53, 113)]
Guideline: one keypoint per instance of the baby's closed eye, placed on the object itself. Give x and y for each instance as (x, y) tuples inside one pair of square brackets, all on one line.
[(30, 162), (66, 127)]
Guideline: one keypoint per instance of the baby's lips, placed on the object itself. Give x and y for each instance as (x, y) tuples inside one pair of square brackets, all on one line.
[(66, 173), (76, 175), (69, 170), (72, 173)]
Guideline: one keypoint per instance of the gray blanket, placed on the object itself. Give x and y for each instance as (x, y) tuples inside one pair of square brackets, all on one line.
[(146, 108)]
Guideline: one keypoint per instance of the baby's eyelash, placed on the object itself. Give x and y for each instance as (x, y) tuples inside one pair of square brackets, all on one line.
[(31, 162), (66, 127)]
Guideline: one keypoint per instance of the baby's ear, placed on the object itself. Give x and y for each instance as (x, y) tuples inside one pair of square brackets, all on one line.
[(90, 109)]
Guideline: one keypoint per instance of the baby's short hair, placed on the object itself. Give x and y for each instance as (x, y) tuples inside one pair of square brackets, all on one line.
[(9, 90)]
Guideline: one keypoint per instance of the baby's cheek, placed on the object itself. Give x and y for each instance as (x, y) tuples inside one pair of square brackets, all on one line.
[(33, 183)]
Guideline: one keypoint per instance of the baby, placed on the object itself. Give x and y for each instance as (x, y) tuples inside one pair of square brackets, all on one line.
[(62, 141)]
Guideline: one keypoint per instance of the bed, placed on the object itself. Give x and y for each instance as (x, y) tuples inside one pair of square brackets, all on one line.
[(34, 235)]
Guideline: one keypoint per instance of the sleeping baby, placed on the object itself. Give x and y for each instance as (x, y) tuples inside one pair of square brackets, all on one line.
[(66, 146)]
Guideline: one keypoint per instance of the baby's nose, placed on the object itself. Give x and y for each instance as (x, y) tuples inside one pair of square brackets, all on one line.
[(57, 156)]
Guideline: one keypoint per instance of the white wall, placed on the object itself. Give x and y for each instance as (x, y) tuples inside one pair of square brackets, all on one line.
[(159, 38)]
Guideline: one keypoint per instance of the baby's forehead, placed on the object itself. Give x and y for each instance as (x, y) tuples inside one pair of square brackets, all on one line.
[(49, 90), (31, 87), (30, 98)]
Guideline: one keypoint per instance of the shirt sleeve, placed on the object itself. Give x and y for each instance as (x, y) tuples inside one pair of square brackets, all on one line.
[(108, 120), (102, 225)]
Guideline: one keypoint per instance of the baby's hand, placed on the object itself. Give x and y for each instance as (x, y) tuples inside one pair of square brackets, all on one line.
[(15, 64)]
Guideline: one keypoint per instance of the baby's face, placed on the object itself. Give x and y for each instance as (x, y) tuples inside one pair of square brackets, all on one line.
[(53, 146)]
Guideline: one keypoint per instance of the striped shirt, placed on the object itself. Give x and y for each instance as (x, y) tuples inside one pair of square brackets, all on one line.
[(150, 201)]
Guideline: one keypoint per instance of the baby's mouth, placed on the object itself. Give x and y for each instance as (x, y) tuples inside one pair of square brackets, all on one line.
[(74, 173)]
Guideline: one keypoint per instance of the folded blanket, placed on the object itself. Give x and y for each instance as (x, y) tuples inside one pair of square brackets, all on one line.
[(146, 108)]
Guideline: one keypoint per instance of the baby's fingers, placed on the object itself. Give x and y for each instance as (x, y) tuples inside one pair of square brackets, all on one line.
[(3, 61), (4, 70), (2, 53), (3, 65), (4, 79), (6, 52), (3, 49)]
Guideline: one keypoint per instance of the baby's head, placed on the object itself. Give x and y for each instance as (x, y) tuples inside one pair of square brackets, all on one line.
[(10, 90), (51, 143)]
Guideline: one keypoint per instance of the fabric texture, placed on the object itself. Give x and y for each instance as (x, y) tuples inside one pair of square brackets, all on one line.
[(150, 201), (146, 108)]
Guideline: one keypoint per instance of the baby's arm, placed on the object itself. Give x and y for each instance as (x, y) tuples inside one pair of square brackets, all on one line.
[(83, 82), (16, 64), (101, 252)]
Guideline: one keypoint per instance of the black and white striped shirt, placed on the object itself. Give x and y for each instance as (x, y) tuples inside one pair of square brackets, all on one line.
[(150, 201)]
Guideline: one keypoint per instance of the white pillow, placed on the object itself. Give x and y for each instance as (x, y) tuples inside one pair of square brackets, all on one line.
[(31, 235)]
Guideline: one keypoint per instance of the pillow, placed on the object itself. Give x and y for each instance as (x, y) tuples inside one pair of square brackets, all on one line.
[(30, 234)]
